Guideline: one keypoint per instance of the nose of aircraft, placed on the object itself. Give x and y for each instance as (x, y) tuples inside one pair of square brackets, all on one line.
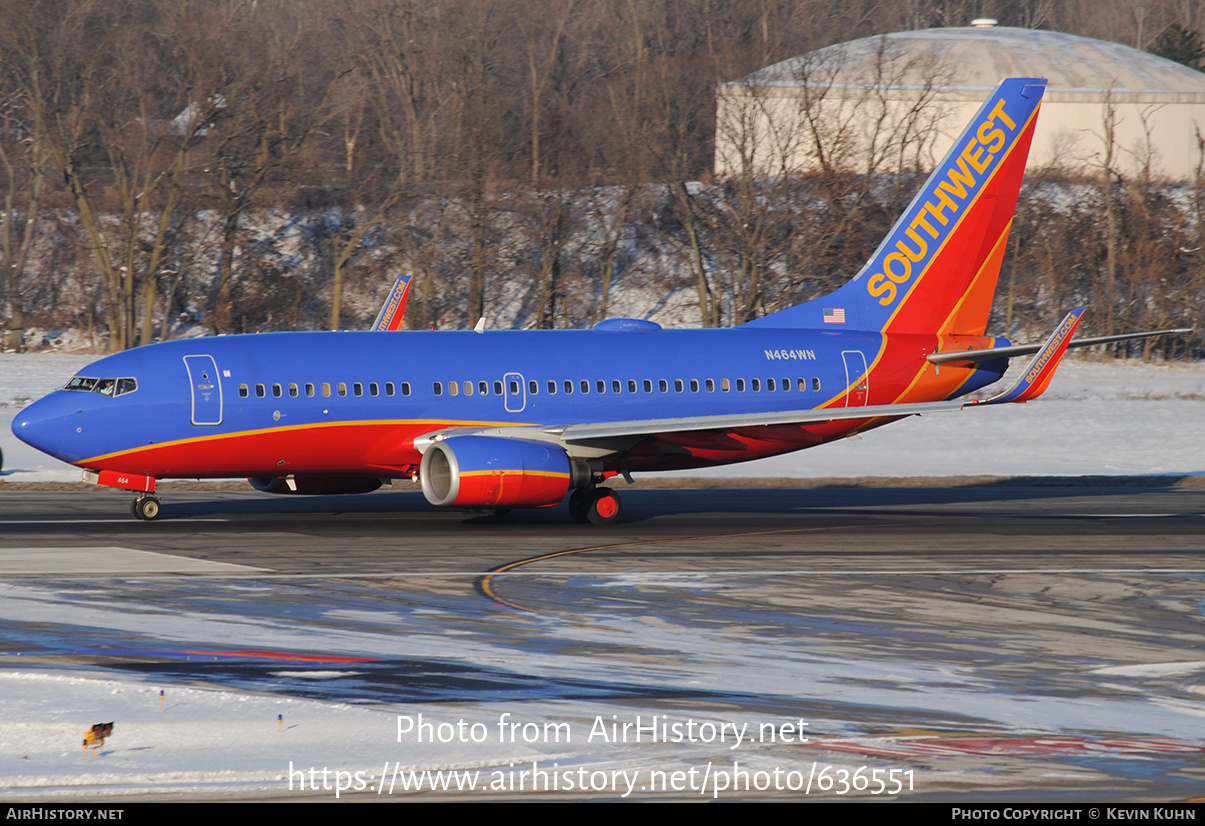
[(44, 424)]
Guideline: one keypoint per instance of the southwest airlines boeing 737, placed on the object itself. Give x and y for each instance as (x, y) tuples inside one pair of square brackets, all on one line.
[(500, 420)]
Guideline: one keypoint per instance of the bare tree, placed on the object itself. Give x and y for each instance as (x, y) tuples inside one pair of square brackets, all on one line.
[(23, 151)]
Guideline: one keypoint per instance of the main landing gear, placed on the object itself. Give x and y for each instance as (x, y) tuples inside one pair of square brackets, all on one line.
[(145, 507), (599, 506)]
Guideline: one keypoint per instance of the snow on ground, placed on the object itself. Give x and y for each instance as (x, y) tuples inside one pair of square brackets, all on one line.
[(211, 740), (1096, 419)]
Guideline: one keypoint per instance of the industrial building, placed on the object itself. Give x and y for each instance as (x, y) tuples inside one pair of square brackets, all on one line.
[(898, 101)]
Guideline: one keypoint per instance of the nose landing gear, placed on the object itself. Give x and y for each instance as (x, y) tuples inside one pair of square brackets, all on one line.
[(146, 506)]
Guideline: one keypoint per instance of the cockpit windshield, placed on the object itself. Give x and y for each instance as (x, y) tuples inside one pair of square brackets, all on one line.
[(106, 387)]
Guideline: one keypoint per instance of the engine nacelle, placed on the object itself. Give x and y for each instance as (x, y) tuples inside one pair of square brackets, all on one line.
[(315, 485), (491, 472)]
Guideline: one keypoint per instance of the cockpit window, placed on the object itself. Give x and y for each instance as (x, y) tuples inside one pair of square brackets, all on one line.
[(106, 387)]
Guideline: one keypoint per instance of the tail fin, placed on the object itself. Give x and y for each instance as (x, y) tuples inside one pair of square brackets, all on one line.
[(394, 309), (936, 270)]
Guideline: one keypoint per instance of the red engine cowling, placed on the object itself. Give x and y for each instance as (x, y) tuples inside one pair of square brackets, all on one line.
[(490, 472), (315, 485)]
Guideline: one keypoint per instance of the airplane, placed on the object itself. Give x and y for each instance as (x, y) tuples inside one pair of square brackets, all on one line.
[(521, 419)]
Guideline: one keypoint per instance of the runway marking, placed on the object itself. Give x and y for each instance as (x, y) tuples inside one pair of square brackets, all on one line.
[(484, 586), (255, 574)]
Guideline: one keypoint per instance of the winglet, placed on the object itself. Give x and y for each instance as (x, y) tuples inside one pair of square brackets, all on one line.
[(394, 309), (1036, 378)]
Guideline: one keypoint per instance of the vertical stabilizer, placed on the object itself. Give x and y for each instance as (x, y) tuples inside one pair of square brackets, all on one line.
[(936, 270)]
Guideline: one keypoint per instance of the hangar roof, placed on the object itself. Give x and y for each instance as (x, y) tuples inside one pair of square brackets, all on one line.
[(976, 59)]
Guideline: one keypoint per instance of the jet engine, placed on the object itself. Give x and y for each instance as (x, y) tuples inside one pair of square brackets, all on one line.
[(492, 472), (315, 485)]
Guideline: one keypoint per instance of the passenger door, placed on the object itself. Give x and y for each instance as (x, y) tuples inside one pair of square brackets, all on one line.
[(857, 382), (206, 385)]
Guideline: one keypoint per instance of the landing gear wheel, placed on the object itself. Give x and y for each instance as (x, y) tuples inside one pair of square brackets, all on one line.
[(579, 504), (145, 507), (605, 508)]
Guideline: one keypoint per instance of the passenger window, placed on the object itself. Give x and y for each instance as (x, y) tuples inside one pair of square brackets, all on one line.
[(514, 387), (533, 387), (374, 389), (631, 386), (309, 389), (770, 385), (816, 384), (678, 386), (277, 391), (243, 391), (497, 388), (326, 388), (585, 386), (694, 385), (294, 392), (260, 390), (483, 387), (786, 385), (648, 386), (801, 385), (756, 385), (453, 388), (740, 385), (438, 388), (725, 385), (341, 388), (663, 385), (357, 389), (405, 388), (552, 387), (389, 388), (468, 388), (600, 386), (568, 386)]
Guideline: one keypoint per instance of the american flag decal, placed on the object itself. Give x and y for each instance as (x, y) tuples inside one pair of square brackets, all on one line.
[(834, 316)]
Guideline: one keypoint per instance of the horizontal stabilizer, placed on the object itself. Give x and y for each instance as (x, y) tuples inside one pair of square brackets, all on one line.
[(1036, 378), (993, 353)]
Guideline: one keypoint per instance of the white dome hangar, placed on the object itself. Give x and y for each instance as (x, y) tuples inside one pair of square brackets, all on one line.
[(901, 99)]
